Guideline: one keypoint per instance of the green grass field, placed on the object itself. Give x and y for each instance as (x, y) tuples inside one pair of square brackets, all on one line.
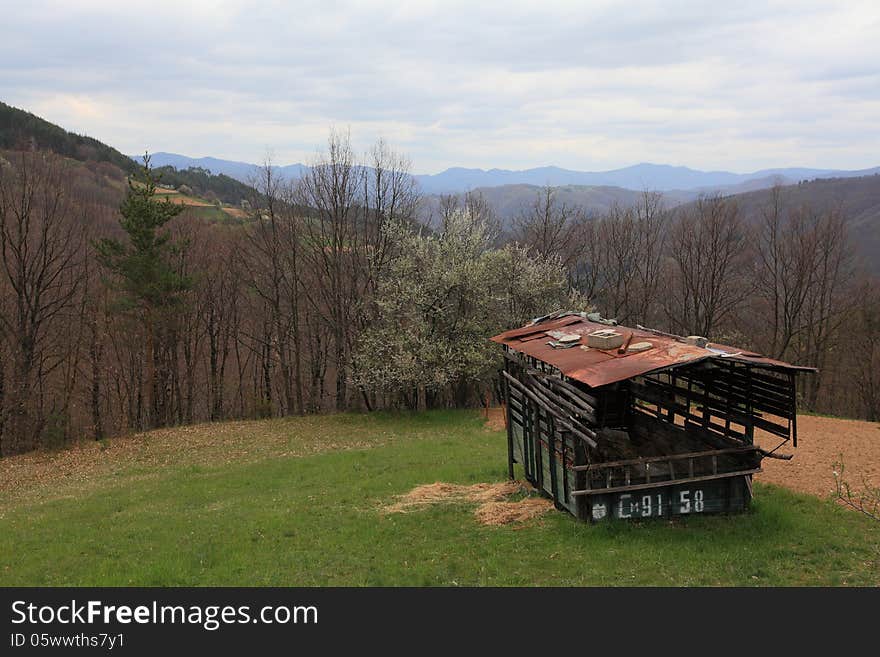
[(299, 502)]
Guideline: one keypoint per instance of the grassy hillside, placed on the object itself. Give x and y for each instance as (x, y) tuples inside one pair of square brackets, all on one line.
[(300, 501), (201, 207), (204, 183)]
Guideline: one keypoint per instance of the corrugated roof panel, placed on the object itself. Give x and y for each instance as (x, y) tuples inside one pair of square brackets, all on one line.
[(598, 367)]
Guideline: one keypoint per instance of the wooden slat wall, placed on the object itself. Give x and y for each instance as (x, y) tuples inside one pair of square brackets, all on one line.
[(540, 441), (731, 399)]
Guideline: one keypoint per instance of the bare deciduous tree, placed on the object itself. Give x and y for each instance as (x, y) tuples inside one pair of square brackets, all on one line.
[(549, 227), (272, 261), (41, 254), (709, 253), (348, 246)]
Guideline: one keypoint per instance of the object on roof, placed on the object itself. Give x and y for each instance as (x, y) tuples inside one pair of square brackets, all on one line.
[(636, 347), (655, 428), (604, 339), (598, 319), (696, 340), (561, 336)]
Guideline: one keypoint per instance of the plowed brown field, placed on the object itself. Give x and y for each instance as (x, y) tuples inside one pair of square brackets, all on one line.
[(821, 442)]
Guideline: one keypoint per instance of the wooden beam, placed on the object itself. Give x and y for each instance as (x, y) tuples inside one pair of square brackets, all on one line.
[(668, 457), (662, 484), (552, 396), (582, 432)]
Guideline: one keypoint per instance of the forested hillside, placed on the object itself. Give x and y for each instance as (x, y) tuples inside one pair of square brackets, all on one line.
[(129, 312), (858, 199), (21, 130), (123, 310), (509, 202)]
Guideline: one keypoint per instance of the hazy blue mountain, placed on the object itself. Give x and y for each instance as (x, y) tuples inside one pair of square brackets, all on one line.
[(242, 171), (639, 177), (662, 177)]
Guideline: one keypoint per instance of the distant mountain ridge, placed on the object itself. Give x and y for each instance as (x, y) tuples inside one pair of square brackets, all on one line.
[(639, 177), (242, 171)]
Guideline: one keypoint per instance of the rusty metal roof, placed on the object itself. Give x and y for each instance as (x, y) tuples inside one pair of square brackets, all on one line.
[(599, 367)]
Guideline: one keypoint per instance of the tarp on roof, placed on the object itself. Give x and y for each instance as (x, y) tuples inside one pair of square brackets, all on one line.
[(599, 367)]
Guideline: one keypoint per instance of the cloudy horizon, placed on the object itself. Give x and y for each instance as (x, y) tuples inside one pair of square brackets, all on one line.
[(584, 86)]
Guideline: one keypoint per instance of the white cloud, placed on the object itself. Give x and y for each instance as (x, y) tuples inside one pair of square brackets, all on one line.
[(582, 85)]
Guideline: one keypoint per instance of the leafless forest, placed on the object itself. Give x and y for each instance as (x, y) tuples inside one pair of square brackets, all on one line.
[(332, 296)]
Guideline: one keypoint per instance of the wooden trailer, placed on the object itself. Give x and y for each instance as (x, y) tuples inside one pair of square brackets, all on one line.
[(659, 426)]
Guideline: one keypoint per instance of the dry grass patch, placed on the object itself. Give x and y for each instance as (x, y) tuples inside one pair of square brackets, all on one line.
[(443, 493), (237, 213), (493, 509), (504, 513), (84, 466), (495, 420)]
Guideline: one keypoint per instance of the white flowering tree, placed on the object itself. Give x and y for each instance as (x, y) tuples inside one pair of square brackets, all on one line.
[(439, 301)]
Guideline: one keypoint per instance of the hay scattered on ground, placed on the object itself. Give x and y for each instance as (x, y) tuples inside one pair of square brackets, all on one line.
[(443, 493), (504, 513), (493, 509)]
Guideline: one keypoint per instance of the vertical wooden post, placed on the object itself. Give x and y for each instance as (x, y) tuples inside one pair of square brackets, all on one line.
[(539, 451), (528, 450), (508, 422), (793, 423), (706, 414), (729, 390), (551, 457), (564, 442), (750, 430)]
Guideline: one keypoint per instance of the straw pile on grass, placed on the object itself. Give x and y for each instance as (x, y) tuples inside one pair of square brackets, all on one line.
[(494, 507), (504, 513)]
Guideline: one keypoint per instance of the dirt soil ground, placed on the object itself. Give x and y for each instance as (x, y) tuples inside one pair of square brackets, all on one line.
[(185, 200), (238, 213), (495, 419), (821, 442)]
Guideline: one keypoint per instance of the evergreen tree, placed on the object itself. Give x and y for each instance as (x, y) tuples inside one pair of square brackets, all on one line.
[(150, 287)]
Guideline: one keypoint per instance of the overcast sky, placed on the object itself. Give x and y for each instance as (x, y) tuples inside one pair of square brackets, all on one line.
[(585, 85)]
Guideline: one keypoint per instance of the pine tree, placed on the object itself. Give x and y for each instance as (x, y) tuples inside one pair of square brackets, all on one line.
[(149, 286)]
